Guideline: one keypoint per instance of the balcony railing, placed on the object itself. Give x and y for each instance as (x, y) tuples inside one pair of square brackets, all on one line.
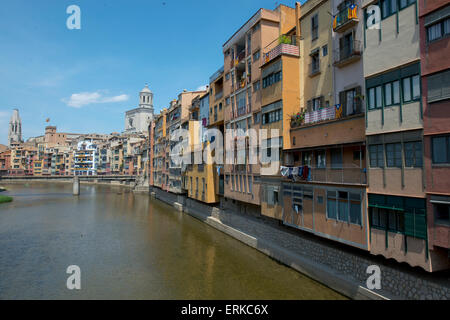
[(283, 45), (330, 113), (339, 175), (348, 53), (345, 19)]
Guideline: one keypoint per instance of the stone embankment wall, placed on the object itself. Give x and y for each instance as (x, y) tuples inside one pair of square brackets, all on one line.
[(342, 269)]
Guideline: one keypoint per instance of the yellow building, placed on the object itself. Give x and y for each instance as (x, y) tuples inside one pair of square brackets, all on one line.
[(199, 179), (159, 150), (316, 72)]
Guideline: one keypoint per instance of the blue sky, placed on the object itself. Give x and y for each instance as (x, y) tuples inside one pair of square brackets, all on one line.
[(84, 80)]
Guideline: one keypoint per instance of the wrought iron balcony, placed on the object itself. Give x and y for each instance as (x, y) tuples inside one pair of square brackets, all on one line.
[(345, 19), (348, 53)]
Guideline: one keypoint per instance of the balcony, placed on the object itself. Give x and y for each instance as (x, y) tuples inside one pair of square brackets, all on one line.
[(283, 45), (347, 54), (343, 175), (314, 68), (218, 95), (240, 57), (327, 114), (240, 111), (345, 19), (216, 75)]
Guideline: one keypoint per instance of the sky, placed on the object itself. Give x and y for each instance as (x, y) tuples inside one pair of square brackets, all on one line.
[(84, 80)]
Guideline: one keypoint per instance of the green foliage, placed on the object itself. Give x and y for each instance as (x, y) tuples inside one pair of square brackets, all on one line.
[(285, 39), (4, 199)]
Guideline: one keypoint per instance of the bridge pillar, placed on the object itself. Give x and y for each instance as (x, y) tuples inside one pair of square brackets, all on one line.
[(76, 186)]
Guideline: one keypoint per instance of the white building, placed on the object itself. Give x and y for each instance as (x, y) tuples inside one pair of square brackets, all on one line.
[(86, 159), (15, 129), (137, 120)]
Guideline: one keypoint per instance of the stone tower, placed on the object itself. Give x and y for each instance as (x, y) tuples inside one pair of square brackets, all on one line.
[(146, 98), (15, 128), (137, 120)]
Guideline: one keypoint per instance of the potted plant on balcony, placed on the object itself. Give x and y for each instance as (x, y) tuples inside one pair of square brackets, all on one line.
[(285, 39), (298, 118)]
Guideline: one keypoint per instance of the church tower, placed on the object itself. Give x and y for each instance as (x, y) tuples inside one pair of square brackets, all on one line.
[(138, 120), (146, 98), (15, 128)]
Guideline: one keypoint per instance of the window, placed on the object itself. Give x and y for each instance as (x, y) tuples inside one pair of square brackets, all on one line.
[(256, 117), (256, 86), (434, 32), (331, 205), (388, 7), (442, 213), (390, 84), (358, 155), (315, 63), (227, 101), (306, 158), (315, 27), (336, 158), (391, 220), (271, 79), (394, 155), (375, 97), (344, 206), (270, 117), (438, 86), (321, 159), (227, 76), (411, 88), (256, 56), (404, 3), (392, 93), (413, 154), (441, 149), (325, 50), (272, 195)]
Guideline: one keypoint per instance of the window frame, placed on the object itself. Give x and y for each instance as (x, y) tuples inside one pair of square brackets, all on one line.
[(447, 153)]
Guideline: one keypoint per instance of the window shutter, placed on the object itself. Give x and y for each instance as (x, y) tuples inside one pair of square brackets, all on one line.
[(342, 99), (358, 100), (434, 92), (341, 48), (446, 85), (322, 102)]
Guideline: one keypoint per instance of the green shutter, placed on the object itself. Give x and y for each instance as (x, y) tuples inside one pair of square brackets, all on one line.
[(416, 225)]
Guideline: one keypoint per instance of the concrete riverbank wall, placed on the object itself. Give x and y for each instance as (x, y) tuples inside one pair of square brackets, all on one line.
[(342, 270)]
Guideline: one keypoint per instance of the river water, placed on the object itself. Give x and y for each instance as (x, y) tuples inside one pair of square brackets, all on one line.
[(129, 246)]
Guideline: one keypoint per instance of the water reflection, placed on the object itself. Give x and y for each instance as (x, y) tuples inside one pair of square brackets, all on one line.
[(129, 247)]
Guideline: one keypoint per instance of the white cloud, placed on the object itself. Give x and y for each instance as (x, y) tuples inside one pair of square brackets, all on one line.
[(78, 100)]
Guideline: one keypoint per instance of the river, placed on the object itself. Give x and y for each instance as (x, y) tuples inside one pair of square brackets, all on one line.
[(129, 246)]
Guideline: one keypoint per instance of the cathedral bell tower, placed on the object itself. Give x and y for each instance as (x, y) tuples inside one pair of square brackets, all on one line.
[(15, 128)]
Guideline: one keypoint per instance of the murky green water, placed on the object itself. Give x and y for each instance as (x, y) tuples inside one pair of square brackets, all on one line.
[(129, 247)]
